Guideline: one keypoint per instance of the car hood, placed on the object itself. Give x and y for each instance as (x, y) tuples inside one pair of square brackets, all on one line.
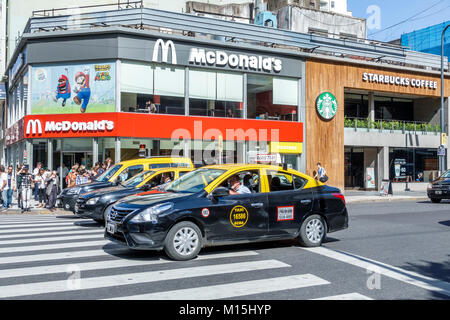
[(442, 181), (107, 190), (145, 199)]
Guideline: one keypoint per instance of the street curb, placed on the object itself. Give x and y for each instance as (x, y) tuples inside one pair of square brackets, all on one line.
[(35, 212), (385, 200)]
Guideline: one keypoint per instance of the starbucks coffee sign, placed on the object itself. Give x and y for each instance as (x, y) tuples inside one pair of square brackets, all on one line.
[(326, 105)]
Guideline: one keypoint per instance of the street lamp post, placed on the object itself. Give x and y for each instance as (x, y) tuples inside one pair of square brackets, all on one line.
[(442, 157)]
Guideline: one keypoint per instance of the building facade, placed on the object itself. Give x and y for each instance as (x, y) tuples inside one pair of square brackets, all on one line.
[(366, 111)]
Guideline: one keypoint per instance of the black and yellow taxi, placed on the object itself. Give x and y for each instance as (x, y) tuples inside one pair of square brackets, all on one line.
[(118, 173), (439, 189), (96, 204), (228, 204)]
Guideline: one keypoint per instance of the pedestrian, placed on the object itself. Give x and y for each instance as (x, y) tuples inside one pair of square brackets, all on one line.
[(2, 185), (52, 183), (19, 186), (35, 173), (9, 188), (26, 183), (40, 181), (321, 174), (108, 162), (63, 172), (82, 177)]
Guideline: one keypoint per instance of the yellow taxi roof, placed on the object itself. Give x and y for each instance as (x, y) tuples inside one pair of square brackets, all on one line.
[(156, 160)]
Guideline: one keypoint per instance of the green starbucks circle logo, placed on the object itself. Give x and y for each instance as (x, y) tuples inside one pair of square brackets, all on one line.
[(326, 105)]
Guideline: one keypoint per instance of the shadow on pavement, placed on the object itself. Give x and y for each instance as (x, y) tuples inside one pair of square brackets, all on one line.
[(436, 270), (445, 223)]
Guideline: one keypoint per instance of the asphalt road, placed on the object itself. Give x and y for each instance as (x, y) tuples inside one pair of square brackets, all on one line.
[(395, 250)]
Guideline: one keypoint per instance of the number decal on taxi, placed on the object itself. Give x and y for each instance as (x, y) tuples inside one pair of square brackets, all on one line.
[(239, 216)]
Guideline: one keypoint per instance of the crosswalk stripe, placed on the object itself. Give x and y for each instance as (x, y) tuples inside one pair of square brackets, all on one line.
[(347, 296), (231, 290), (5, 225), (28, 231), (65, 237), (54, 246), (135, 278), (29, 225), (49, 234), (61, 255), (378, 267), (110, 264)]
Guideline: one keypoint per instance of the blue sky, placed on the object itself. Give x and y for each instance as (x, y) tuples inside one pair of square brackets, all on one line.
[(418, 13)]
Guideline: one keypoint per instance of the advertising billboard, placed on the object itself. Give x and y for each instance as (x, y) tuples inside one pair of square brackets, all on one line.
[(73, 88)]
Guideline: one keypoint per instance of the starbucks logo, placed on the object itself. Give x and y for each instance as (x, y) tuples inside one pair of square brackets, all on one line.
[(326, 105)]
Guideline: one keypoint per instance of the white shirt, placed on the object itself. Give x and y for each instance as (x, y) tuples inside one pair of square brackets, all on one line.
[(3, 179)]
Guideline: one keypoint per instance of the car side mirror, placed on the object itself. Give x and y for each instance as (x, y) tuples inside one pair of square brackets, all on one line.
[(220, 192)]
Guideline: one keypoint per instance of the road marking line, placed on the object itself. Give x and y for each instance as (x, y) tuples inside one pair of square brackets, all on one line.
[(231, 290), (60, 233), (396, 273), (28, 231), (54, 246), (111, 264), (347, 296), (47, 224), (56, 257), (136, 278), (52, 239)]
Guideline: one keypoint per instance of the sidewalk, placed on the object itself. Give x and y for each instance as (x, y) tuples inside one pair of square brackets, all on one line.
[(33, 210), (356, 196)]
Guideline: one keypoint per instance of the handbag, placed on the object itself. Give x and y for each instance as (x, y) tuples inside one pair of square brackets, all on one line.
[(324, 178)]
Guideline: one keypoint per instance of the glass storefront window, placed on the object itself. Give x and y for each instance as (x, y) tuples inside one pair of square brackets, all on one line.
[(215, 94), (356, 105), (419, 165), (143, 85), (272, 98)]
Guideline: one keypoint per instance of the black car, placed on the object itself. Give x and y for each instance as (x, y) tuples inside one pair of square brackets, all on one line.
[(96, 204), (440, 188), (199, 209)]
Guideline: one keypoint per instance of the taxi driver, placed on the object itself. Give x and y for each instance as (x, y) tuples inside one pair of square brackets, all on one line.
[(236, 187)]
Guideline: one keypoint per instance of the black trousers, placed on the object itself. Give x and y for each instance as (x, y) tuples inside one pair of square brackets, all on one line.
[(42, 195)]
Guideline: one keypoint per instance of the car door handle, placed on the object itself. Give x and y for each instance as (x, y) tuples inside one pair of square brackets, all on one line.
[(305, 201), (258, 205)]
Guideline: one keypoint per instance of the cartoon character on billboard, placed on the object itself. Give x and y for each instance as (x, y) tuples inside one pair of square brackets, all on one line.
[(63, 88), (82, 89)]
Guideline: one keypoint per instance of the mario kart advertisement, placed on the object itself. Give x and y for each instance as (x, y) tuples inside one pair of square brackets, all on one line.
[(88, 88)]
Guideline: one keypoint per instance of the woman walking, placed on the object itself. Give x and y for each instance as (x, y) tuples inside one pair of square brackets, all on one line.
[(39, 180)]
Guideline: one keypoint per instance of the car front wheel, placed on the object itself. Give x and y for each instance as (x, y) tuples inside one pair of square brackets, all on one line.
[(183, 241), (313, 231)]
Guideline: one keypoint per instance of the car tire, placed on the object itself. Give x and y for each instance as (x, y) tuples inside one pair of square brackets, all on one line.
[(435, 200), (105, 213), (183, 241), (313, 231)]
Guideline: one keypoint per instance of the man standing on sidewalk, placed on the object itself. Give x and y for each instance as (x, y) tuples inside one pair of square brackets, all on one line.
[(26, 180), (35, 173), (52, 189), (8, 187), (2, 186)]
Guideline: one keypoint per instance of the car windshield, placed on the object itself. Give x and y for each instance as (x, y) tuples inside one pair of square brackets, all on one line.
[(137, 179), (446, 174), (194, 181), (105, 176)]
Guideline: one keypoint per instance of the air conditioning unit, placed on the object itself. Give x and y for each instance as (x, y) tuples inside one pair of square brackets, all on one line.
[(267, 19)]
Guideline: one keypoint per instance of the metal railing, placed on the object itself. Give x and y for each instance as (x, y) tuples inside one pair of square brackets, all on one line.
[(120, 5), (192, 25), (381, 125)]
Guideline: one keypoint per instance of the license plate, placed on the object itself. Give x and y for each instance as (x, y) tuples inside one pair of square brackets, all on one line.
[(438, 192), (111, 228)]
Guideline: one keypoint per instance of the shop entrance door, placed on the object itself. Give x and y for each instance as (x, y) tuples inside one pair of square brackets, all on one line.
[(82, 158), (354, 168)]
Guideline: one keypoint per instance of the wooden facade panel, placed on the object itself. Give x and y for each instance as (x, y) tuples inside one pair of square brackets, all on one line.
[(324, 140)]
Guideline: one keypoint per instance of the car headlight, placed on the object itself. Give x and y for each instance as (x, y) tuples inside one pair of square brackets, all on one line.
[(92, 200), (151, 214), (74, 191)]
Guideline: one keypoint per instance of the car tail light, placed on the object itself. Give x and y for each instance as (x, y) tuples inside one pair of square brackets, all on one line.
[(339, 196)]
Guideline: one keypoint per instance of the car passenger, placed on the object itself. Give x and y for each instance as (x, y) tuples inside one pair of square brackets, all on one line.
[(236, 187)]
